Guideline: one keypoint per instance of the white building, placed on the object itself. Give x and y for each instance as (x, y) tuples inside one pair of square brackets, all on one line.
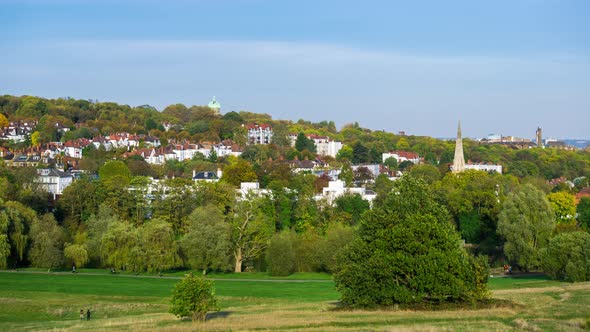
[(74, 148), (402, 156), (250, 189), (375, 169), (259, 134), (324, 145), (482, 167), (53, 181), (337, 188)]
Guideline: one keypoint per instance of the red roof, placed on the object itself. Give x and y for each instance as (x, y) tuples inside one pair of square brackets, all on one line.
[(261, 126), (406, 154)]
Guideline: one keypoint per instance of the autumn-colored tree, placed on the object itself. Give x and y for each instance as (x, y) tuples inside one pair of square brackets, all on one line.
[(238, 171), (3, 121)]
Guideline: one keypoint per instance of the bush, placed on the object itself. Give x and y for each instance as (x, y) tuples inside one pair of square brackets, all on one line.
[(193, 297), (408, 252), (567, 257), (280, 255)]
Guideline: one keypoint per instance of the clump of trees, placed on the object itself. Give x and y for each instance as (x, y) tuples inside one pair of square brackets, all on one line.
[(408, 251)]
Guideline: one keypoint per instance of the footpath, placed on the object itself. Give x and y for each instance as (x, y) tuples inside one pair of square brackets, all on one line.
[(158, 277)]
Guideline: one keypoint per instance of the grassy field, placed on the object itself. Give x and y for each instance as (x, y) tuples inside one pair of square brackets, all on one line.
[(34, 301)]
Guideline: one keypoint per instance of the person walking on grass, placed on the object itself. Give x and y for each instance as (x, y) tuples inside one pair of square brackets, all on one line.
[(81, 314), (88, 314)]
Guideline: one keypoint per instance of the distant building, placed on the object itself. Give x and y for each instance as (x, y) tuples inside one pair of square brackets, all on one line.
[(207, 176), (259, 134), (53, 181), (17, 131), (539, 137), (337, 188), (484, 167), (250, 189), (402, 156), (324, 145), (214, 105)]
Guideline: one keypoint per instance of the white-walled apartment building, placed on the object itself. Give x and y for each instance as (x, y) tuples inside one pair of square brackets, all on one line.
[(324, 145), (259, 134)]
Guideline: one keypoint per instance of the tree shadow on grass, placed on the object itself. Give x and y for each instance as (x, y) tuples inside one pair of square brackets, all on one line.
[(218, 314)]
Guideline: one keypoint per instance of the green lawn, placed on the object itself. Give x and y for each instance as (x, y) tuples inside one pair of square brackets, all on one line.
[(36, 301)]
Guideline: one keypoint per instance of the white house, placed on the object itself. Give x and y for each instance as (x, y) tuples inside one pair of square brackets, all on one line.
[(250, 188), (74, 148), (402, 156), (337, 188), (53, 181)]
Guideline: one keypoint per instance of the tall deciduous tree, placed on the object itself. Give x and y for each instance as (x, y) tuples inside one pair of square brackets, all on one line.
[(251, 230), (118, 243), (526, 222), (207, 245), (157, 246), (20, 219), (47, 240), (239, 170)]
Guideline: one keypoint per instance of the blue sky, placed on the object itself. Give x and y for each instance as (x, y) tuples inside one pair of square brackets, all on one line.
[(420, 66)]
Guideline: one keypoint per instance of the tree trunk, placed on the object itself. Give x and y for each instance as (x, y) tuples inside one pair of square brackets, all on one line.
[(238, 256)]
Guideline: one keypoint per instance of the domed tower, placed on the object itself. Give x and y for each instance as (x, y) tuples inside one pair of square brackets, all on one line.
[(215, 105)]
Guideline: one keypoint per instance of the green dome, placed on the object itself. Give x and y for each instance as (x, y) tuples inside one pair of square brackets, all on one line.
[(214, 104)]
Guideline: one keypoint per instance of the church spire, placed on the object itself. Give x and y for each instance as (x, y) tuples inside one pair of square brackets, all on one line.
[(459, 161)]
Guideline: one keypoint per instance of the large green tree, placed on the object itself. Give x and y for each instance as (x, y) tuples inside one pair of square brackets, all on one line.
[(207, 244), (251, 230), (408, 251), (526, 222), (567, 257), (157, 249), (47, 241)]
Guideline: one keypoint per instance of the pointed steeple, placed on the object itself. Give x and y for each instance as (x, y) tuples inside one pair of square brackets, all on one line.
[(459, 161)]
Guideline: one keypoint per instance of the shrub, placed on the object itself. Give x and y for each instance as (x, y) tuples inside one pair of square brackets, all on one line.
[(193, 297), (408, 252), (567, 257)]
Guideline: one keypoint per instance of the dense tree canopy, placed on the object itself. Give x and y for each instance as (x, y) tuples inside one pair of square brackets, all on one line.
[(408, 251), (526, 222)]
